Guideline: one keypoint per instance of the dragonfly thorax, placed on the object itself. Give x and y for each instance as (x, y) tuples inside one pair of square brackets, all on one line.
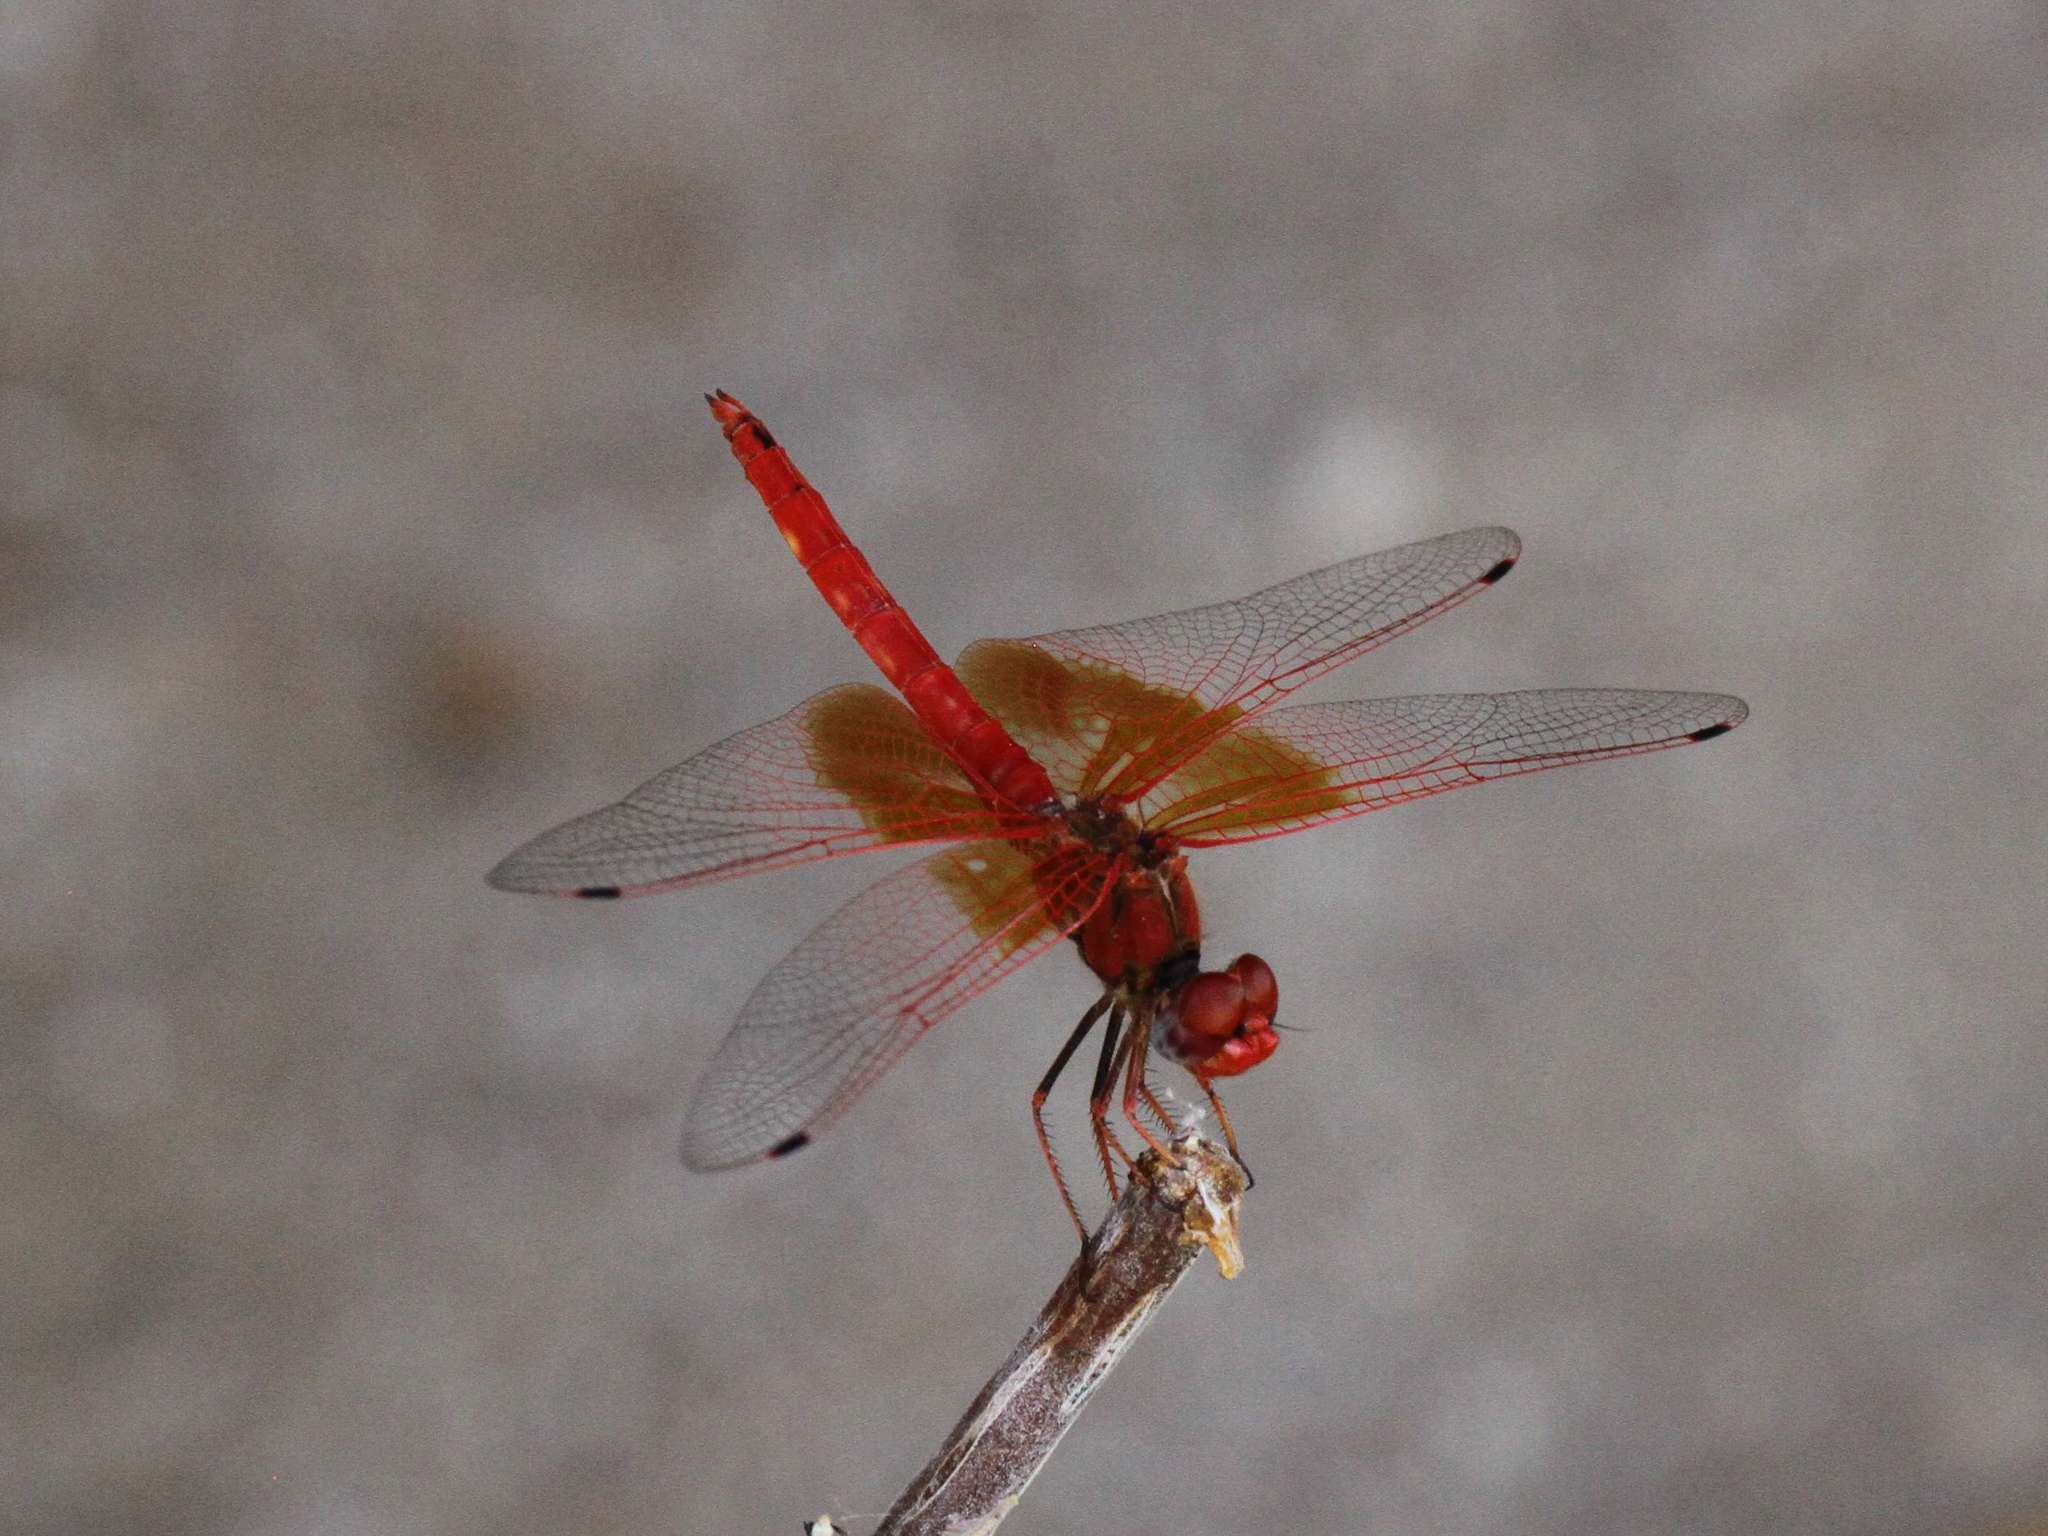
[(1108, 828), (1145, 941), (1146, 933)]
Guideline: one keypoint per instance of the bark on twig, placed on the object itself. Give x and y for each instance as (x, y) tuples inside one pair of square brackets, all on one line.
[(1141, 1250)]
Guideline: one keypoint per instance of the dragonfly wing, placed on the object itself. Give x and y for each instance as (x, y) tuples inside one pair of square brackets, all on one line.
[(1314, 763), (853, 996), (1115, 708), (844, 772)]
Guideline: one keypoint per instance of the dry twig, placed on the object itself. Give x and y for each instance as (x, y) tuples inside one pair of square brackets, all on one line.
[(1136, 1257)]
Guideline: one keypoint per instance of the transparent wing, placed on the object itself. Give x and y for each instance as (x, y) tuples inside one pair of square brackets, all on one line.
[(853, 996), (1112, 710), (844, 772), (1299, 767)]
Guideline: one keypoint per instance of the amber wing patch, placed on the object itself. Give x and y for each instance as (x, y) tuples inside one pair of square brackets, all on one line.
[(987, 881), (1097, 729), (1246, 781), (867, 745)]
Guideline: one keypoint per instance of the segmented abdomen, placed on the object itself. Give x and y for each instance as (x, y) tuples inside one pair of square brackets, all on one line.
[(865, 606)]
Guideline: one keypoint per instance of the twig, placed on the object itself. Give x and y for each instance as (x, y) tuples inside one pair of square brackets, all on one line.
[(1136, 1257)]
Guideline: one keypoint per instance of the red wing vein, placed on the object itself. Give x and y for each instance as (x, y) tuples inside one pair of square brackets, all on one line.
[(841, 1007), (759, 800), (1234, 659), (1314, 763)]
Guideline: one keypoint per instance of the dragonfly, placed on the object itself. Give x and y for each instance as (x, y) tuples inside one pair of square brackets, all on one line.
[(1066, 779)]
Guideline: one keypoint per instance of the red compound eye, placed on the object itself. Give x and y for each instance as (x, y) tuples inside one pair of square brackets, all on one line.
[(1240, 1054), (1211, 1005), (1261, 986)]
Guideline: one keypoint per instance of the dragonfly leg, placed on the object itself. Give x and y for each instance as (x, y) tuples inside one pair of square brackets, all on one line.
[(1152, 1103), (1115, 1044), (1134, 1084), (1059, 1064), (1229, 1134)]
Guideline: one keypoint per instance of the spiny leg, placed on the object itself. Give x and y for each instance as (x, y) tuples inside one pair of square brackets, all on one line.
[(1115, 1043), (1229, 1135), (1134, 1081), (1044, 1092), (1165, 1118)]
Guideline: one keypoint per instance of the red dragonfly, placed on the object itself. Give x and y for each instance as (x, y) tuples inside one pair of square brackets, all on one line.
[(1068, 777)]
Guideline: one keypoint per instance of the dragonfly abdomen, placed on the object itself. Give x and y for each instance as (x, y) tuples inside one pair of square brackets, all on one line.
[(843, 577)]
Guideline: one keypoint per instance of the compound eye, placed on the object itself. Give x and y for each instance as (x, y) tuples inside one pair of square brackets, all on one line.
[(1261, 986), (1211, 1005)]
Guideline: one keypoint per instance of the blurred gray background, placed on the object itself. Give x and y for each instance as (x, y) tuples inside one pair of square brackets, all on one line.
[(1663, 1145)]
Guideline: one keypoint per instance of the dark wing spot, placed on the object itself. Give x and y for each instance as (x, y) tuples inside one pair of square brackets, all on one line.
[(1711, 732), (1498, 571), (767, 437), (790, 1144), (599, 893)]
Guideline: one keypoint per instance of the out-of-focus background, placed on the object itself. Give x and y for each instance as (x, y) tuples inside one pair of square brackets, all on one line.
[(1663, 1146)]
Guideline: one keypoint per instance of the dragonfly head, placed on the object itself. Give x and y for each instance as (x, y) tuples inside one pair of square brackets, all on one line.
[(1220, 1023)]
